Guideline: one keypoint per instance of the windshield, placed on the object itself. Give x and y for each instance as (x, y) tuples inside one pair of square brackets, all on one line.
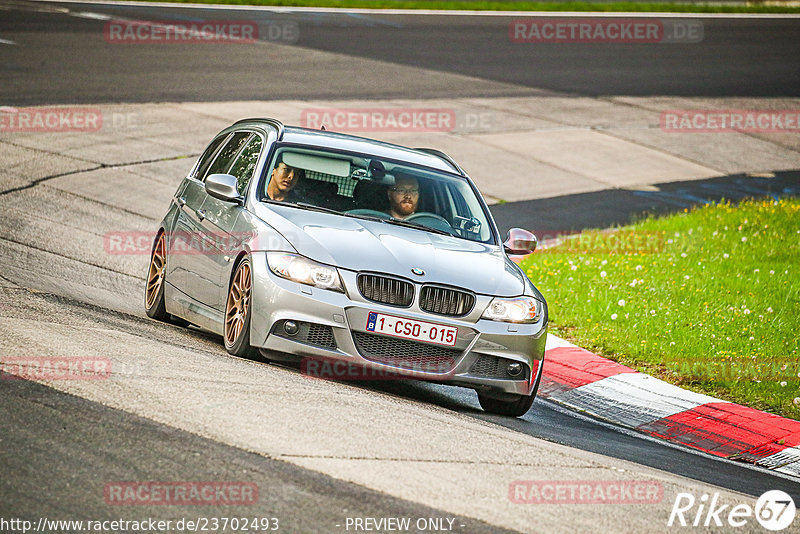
[(358, 185)]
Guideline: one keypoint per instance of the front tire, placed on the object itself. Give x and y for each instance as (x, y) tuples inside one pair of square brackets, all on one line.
[(237, 312), (509, 404), (513, 406)]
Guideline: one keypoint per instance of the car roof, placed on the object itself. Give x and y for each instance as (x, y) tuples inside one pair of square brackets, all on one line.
[(351, 143)]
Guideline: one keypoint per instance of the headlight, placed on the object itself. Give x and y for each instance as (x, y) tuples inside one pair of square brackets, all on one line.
[(303, 270), (513, 310)]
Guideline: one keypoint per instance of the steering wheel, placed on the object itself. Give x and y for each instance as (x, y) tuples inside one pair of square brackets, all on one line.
[(431, 220)]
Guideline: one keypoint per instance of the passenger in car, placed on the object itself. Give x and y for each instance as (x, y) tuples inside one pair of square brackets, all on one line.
[(283, 181), (403, 197)]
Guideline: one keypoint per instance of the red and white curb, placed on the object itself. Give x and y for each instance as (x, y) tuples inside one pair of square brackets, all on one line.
[(583, 381)]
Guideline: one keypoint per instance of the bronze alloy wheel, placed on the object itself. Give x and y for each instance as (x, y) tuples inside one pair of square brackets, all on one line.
[(155, 275), (238, 305)]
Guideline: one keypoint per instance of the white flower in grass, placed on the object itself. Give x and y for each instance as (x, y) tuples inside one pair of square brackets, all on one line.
[(621, 302), (683, 254), (602, 274), (797, 401), (772, 272), (783, 384), (638, 267), (783, 367), (769, 310), (756, 270), (747, 312), (726, 255), (671, 343), (603, 262), (744, 239), (686, 277), (652, 312), (715, 233), (613, 316)]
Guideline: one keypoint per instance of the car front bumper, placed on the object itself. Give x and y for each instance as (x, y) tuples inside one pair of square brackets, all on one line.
[(332, 327)]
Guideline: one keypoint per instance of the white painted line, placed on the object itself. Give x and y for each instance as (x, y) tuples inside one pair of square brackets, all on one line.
[(90, 15), (6, 41), (786, 461), (632, 399), (555, 342), (365, 11)]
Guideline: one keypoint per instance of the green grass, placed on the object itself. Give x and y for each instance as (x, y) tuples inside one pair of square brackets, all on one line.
[(708, 299), (501, 5)]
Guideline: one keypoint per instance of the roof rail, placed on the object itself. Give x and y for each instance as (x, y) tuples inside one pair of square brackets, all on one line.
[(445, 157), (272, 122)]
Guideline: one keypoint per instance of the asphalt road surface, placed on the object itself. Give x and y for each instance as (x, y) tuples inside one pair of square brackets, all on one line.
[(62, 58)]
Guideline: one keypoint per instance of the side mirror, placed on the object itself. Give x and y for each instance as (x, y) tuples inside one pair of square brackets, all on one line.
[(223, 187), (520, 241)]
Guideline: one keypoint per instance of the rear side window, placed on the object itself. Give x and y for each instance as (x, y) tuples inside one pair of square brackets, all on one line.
[(245, 164), (208, 157), (226, 155)]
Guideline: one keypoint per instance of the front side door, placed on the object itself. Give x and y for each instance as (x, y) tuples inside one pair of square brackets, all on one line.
[(198, 260), (220, 218)]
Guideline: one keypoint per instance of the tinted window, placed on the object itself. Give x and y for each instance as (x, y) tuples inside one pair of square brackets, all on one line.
[(361, 185), (226, 155), (245, 164), (208, 157)]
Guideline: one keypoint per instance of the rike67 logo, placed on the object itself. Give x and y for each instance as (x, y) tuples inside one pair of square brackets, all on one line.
[(774, 510)]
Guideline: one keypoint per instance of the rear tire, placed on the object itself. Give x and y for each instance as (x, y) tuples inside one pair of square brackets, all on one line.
[(154, 304), (154, 289)]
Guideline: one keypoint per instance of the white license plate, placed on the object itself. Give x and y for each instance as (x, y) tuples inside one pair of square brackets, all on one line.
[(380, 323)]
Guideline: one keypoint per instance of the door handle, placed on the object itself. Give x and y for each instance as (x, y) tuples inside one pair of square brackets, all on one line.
[(201, 214), (180, 201)]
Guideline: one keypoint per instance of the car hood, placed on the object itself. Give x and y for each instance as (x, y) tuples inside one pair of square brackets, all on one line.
[(363, 245)]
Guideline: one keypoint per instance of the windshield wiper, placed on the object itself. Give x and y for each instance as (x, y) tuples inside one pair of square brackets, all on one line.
[(401, 222), (314, 207)]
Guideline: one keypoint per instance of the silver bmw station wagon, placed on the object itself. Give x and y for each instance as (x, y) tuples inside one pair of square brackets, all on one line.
[(334, 248)]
